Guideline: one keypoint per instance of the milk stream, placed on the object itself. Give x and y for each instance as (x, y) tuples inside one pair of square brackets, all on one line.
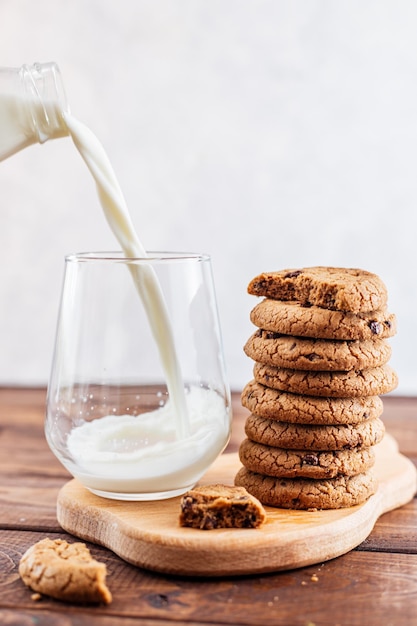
[(119, 220)]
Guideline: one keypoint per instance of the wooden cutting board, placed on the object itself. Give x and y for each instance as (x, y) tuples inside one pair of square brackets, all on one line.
[(147, 534)]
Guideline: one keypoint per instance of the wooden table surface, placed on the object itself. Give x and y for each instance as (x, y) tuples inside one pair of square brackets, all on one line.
[(374, 584)]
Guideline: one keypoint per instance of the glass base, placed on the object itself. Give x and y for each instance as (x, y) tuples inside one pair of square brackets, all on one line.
[(141, 497)]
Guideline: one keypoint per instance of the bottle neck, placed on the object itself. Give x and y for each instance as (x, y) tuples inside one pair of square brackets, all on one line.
[(46, 100)]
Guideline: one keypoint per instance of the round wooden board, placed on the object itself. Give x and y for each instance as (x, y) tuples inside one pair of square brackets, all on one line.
[(148, 534)]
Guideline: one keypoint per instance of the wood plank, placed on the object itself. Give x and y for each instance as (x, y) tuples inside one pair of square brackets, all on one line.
[(400, 418), (395, 531), (30, 504), (48, 618), (356, 589)]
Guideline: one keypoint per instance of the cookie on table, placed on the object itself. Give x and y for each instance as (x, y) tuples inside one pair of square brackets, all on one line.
[(301, 409), (368, 382), (291, 318), (340, 289), (301, 353), (65, 571), (304, 493), (311, 437), (272, 461), (220, 506)]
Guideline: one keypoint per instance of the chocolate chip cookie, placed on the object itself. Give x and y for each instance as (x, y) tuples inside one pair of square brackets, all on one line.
[(301, 353), (273, 461), (302, 409), (351, 384), (312, 437), (304, 493), (292, 318), (340, 289)]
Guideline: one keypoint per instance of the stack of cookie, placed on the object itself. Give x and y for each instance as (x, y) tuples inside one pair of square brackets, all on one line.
[(321, 364)]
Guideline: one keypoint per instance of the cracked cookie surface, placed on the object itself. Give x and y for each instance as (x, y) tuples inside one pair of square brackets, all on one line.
[(301, 409), (341, 289), (304, 493), (312, 437), (291, 318), (65, 571), (273, 461), (303, 353), (368, 382)]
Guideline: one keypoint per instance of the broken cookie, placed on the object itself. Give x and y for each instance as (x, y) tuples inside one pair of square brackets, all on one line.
[(220, 506), (65, 571), (334, 288)]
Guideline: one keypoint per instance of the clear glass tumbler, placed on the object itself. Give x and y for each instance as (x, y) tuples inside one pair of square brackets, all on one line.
[(138, 402)]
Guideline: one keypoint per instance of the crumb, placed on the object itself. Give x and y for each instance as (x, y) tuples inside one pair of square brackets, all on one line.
[(36, 597), (315, 578)]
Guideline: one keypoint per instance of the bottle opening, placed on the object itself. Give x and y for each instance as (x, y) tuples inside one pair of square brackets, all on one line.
[(46, 98)]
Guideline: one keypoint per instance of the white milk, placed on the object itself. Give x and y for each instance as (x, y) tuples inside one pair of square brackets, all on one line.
[(137, 455), (126, 454), (13, 128)]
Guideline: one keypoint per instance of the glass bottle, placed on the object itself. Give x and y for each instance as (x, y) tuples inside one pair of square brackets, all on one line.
[(32, 106)]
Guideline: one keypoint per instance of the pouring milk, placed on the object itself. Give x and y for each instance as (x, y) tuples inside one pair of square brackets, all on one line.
[(34, 110)]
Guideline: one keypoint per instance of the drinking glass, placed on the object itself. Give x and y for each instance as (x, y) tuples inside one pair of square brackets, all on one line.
[(138, 403)]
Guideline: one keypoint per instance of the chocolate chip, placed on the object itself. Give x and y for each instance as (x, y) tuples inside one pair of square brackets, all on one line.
[(209, 522), (330, 301), (376, 327), (272, 335), (186, 503), (310, 459), (312, 357), (387, 323), (250, 521), (293, 274), (258, 286)]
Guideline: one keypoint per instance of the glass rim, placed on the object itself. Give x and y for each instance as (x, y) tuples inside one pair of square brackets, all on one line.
[(152, 257)]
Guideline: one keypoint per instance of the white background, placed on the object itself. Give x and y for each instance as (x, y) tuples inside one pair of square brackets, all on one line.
[(269, 134)]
